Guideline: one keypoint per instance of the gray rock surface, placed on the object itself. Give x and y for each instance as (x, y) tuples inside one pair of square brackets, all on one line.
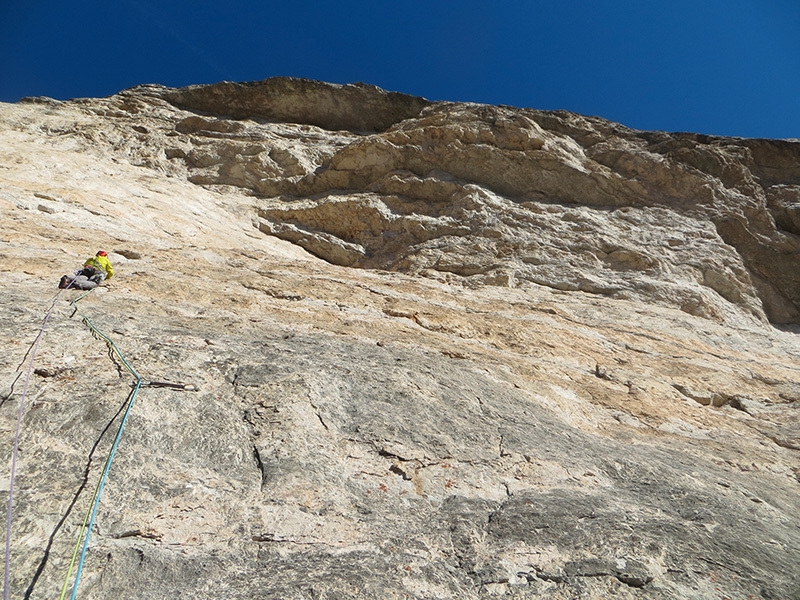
[(440, 350)]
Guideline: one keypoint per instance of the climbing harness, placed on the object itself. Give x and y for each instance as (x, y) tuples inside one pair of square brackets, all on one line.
[(86, 527)]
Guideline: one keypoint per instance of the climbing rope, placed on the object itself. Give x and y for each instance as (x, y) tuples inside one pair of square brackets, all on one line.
[(88, 522), (89, 509), (15, 449), (84, 534), (86, 528)]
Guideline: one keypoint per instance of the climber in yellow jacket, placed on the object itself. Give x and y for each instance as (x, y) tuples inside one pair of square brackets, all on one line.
[(94, 271), (101, 265)]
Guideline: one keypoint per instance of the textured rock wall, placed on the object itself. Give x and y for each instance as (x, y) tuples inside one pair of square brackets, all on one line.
[(552, 374), (528, 187)]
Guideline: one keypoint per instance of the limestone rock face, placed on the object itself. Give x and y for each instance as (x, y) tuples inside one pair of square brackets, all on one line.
[(504, 196), (422, 350)]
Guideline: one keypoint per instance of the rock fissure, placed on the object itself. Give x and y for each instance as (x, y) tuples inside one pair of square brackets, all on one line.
[(260, 466)]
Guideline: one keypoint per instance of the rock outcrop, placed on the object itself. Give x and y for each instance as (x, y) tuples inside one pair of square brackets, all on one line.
[(500, 195), (441, 350)]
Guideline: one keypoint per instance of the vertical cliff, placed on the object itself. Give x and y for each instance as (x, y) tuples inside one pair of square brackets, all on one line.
[(420, 350)]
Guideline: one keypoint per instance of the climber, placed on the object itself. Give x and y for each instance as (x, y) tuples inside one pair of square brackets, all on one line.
[(94, 271)]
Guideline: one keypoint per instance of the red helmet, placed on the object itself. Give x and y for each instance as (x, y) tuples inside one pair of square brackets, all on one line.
[(102, 253)]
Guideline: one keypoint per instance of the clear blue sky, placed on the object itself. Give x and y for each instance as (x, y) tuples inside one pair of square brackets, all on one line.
[(725, 67)]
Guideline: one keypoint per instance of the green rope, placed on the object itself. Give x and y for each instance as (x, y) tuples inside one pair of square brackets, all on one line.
[(86, 528), (80, 537), (99, 493), (111, 343)]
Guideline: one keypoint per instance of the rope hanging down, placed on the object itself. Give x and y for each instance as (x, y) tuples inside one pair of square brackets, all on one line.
[(86, 528), (29, 370), (85, 531)]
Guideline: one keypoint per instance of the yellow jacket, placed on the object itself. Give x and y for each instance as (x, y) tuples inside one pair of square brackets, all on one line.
[(101, 262)]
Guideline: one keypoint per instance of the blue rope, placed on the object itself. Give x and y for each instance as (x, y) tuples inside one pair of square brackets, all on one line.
[(114, 446), (100, 489)]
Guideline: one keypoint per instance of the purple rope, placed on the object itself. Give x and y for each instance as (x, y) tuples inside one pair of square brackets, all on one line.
[(16, 444)]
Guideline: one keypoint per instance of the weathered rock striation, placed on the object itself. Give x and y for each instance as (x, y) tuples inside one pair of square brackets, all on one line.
[(442, 350)]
